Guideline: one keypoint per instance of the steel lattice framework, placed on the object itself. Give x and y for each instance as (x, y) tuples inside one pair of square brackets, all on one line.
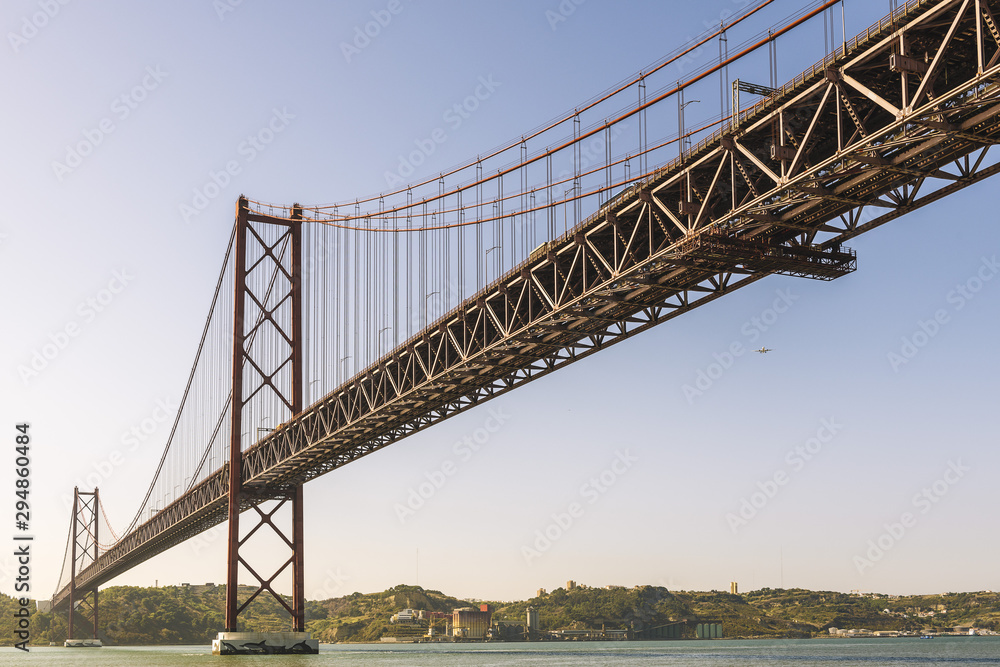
[(83, 600), (902, 116), (267, 363)]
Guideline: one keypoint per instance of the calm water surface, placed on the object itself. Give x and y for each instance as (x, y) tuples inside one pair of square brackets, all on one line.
[(868, 652)]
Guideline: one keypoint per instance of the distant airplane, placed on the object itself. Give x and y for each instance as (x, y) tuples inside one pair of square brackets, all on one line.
[(764, 350)]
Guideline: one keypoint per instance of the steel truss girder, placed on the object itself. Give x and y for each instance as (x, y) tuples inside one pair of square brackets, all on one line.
[(872, 143)]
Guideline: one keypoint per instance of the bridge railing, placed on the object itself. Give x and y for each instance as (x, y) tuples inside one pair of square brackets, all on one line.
[(875, 31)]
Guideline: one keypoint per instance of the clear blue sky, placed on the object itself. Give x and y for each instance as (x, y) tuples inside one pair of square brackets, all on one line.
[(198, 80)]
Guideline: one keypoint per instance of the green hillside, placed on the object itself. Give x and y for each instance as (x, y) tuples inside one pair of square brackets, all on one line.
[(358, 617), (194, 614)]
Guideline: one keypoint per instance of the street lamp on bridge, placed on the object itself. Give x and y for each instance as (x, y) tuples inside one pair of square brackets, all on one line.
[(343, 368), (681, 104), (488, 251), (380, 332)]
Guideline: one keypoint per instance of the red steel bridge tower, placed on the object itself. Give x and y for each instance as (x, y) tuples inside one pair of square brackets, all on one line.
[(267, 366), (84, 551)]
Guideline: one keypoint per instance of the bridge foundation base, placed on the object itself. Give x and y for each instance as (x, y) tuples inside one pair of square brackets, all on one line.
[(264, 643), (83, 643)]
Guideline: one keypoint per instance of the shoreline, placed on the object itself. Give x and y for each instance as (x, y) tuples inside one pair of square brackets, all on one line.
[(566, 641)]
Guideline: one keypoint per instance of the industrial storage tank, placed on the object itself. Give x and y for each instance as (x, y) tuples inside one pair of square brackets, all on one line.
[(470, 623), (532, 619)]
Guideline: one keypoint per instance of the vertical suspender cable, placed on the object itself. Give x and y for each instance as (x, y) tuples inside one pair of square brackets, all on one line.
[(479, 228)]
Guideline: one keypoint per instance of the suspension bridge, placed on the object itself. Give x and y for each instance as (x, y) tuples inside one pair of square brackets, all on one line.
[(337, 330)]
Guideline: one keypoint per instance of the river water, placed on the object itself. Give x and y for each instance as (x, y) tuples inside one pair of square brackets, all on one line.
[(840, 652)]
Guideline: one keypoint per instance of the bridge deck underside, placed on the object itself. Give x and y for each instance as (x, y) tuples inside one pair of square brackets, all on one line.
[(848, 145)]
